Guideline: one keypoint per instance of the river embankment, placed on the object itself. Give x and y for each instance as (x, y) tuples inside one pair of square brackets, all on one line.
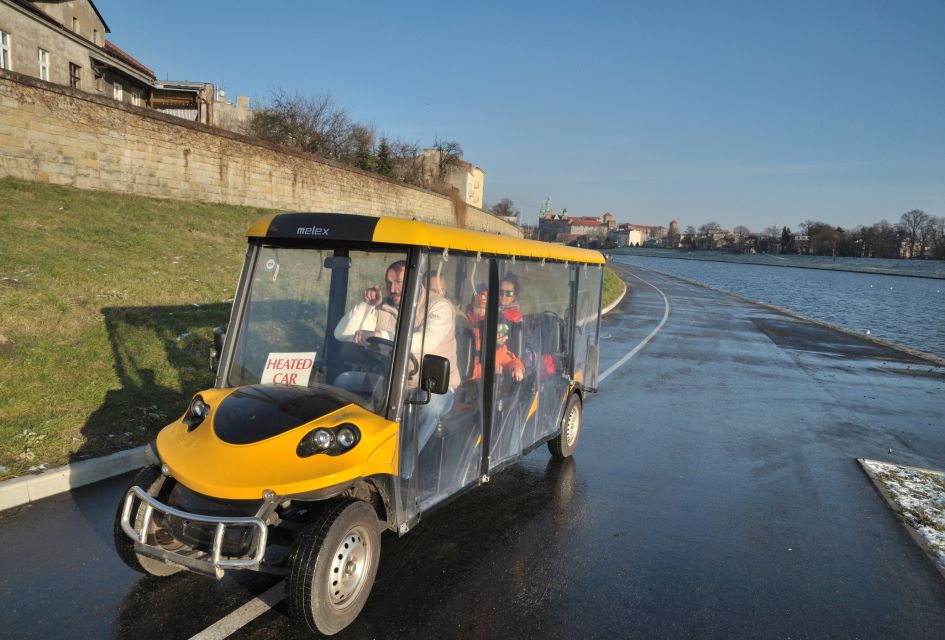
[(907, 311), (906, 268)]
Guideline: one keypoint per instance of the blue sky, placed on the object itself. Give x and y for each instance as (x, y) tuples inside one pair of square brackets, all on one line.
[(754, 113)]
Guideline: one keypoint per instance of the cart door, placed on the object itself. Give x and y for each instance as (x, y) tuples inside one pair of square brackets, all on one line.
[(587, 323), (441, 443)]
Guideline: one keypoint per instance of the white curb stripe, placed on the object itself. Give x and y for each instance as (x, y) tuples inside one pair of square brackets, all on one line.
[(239, 618), (643, 343)]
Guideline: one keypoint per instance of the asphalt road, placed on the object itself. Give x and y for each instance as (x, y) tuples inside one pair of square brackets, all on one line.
[(714, 494)]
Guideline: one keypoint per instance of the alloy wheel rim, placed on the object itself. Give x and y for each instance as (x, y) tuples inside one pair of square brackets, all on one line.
[(350, 565), (573, 426)]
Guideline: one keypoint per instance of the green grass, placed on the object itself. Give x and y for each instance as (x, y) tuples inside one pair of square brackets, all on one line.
[(106, 308), (613, 286)]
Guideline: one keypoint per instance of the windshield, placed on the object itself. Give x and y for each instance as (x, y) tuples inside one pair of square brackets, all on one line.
[(320, 318)]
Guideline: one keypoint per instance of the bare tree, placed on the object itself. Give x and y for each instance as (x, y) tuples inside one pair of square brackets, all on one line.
[(912, 223), (505, 208), (312, 124), (407, 161)]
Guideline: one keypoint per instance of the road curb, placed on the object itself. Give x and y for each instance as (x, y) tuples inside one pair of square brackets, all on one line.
[(20, 491), (613, 304)]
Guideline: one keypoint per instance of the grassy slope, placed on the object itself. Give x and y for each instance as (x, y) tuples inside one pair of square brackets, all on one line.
[(613, 286), (95, 290)]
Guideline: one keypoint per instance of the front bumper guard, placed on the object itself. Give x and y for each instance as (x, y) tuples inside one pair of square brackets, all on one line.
[(216, 563)]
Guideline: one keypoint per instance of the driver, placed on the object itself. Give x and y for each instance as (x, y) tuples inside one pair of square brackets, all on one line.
[(434, 332)]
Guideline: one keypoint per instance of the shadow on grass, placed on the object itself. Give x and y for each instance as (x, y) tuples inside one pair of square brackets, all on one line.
[(161, 358)]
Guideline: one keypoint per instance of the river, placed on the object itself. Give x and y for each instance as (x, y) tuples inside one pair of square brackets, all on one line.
[(905, 310)]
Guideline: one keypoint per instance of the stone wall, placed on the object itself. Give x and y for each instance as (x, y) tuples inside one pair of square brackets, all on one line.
[(59, 135)]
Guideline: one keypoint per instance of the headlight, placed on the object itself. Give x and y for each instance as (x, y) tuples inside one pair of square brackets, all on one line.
[(322, 439), (333, 441), (196, 413), (346, 437)]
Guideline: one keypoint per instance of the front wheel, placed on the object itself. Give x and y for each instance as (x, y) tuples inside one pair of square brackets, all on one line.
[(564, 444), (151, 480), (332, 569)]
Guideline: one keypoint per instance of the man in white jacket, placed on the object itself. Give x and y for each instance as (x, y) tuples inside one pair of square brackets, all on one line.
[(434, 333)]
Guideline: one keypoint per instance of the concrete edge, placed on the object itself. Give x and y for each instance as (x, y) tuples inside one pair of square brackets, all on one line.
[(894, 507), (614, 304), (25, 489), (915, 353)]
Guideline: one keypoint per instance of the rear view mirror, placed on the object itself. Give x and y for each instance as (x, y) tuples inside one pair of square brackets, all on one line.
[(435, 374), (219, 335)]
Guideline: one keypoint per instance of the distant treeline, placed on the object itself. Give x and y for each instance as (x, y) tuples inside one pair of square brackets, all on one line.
[(916, 235)]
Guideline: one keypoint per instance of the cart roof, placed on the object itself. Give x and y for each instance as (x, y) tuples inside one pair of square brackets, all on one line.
[(358, 228)]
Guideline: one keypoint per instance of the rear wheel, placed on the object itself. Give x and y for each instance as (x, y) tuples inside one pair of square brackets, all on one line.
[(151, 480), (564, 444), (332, 569)]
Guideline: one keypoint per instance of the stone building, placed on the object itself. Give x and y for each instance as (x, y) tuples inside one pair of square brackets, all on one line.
[(64, 42), (673, 238), (584, 230), (467, 179)]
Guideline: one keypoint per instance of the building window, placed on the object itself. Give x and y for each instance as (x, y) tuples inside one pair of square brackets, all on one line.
[(119, 92), (43, 60), (135, 99), (95, 36), (75, 78), (75, 24), (5, 50)]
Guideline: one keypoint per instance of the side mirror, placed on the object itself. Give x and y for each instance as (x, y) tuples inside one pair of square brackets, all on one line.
[(435, 374), (434, 377), (219, 335)]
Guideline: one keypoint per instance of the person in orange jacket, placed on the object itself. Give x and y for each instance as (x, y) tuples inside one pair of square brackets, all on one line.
[(506, 361)]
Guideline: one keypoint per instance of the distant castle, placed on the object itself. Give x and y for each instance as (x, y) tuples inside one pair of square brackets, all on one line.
[(603, 231)]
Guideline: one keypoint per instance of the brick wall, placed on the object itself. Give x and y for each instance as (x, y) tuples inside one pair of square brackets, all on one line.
[(55, 134)]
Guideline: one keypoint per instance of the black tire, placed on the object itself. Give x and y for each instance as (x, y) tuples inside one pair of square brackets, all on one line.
[(151, 480), (333, 565), (564, 444)]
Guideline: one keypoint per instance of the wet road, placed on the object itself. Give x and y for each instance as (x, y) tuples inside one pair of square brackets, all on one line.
[(714, 493)]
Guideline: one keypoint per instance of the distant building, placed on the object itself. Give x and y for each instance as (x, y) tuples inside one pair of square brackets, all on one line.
[(673, 239), (562, 227), (467, 179)]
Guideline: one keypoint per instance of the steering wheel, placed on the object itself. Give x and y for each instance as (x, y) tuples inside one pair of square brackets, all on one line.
[(383, 348)]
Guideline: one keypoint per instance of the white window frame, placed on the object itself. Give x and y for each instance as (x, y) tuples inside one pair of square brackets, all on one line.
[(118, 92), (42, 61), (6, 55)]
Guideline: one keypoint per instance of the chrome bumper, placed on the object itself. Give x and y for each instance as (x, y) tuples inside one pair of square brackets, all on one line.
[(215, 564)]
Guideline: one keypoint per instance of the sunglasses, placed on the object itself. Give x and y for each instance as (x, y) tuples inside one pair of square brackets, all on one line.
[(506, 294)]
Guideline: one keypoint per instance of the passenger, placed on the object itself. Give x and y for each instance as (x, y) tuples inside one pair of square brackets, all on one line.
[(506, 361), (434, 333), (476, 314), (508, 298)]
